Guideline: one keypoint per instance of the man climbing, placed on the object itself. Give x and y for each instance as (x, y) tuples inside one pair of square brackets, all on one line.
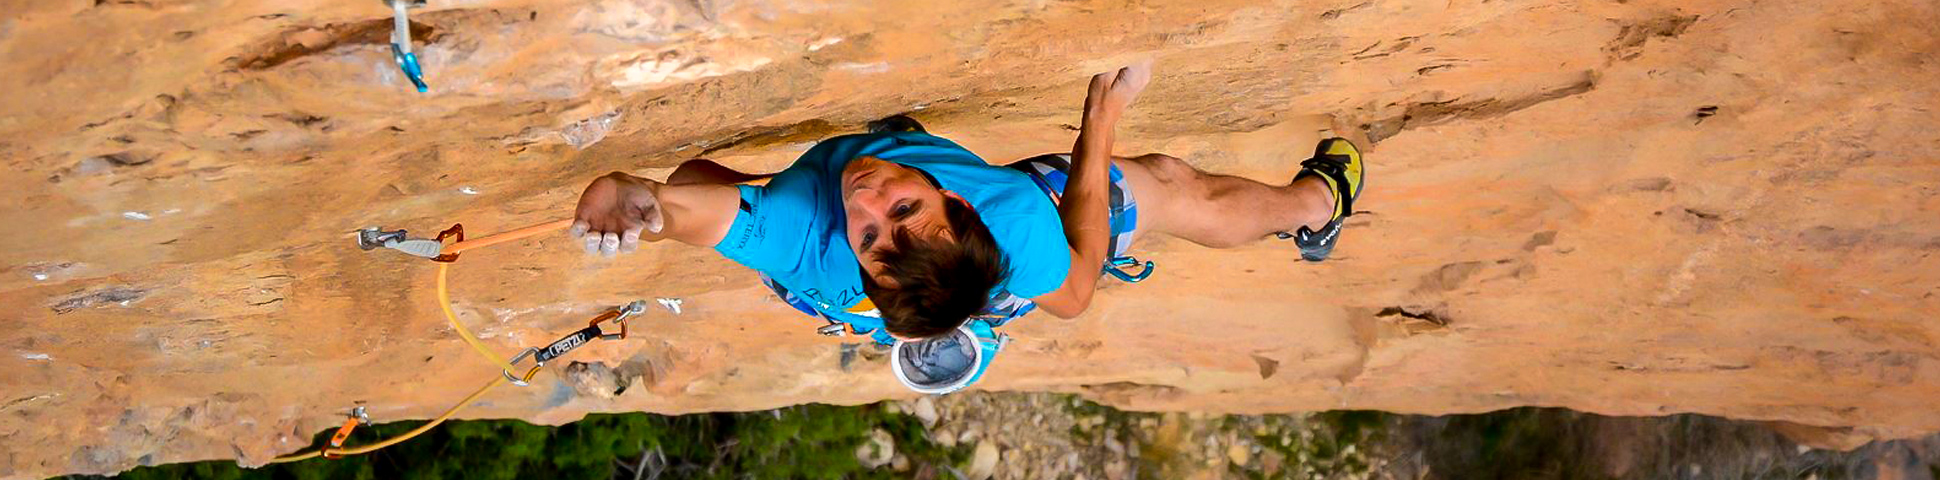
[(898, 232)]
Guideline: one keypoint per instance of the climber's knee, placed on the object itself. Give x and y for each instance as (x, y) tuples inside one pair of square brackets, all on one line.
[(1160, 183)]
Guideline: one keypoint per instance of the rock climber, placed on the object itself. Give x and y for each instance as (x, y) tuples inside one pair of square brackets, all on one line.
[(904, 235)]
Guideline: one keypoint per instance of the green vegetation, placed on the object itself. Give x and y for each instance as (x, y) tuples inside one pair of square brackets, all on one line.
[(1332, 444), (820, 441), (808, 441)]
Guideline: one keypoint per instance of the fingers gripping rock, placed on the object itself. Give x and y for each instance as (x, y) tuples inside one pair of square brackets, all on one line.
[(609, 243)]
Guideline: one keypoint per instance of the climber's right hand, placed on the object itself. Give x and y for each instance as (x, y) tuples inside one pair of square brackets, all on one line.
[(1112, 93), (614, 211)]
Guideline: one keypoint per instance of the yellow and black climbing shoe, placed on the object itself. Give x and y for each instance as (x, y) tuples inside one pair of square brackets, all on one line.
[(1338, 163)]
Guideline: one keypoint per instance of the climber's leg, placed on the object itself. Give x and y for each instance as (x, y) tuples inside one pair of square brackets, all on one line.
[(1220, 211), (704, 171)]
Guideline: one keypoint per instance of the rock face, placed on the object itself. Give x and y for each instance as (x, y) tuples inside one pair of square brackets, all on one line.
[(1629, 208)]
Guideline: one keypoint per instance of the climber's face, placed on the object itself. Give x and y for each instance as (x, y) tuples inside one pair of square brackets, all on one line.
[(881, 198)]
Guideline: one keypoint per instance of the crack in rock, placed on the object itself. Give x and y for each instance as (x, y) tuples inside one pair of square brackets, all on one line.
[(1428, 113), (121, 295)]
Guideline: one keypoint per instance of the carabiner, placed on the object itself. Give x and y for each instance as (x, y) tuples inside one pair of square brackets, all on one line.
[(372, 238), (457, 231), (619, 316), (833, 329), (1116, 267)]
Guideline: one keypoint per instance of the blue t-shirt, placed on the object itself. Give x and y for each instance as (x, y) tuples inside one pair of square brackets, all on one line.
[(794, 230)]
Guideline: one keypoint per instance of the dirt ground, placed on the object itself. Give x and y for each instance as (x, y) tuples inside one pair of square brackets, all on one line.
[(1641, 207), (1039, 435)]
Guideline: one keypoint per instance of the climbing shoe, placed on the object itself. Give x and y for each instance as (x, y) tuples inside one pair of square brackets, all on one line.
[(898, 123), (1338, 163)]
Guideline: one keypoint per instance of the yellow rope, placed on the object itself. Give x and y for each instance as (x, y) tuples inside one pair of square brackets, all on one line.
[(444, 302)]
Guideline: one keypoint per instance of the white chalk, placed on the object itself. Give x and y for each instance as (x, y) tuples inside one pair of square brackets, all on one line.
[(135, 216), (468, 190), (876, 67), (824, 43), (36, 356), (672, 304)]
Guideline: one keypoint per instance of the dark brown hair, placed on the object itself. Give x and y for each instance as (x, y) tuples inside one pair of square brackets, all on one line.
[(939, 284)]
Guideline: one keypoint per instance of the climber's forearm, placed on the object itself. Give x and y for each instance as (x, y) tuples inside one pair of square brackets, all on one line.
[(1083, 206), (1085, 212)]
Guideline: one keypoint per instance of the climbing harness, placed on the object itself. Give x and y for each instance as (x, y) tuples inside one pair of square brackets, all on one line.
[(436, 249), (401, 42)]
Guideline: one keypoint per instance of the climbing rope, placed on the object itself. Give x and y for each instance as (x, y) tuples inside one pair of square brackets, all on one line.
[(439, 251), (333, 452), (444, 303)]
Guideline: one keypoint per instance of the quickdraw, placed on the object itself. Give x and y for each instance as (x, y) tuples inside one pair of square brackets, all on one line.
[(357, 417), (438, 250), (401, 42), (576, 339)]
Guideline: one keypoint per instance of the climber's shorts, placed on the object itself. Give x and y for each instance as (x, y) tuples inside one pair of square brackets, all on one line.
[(1049, 172)]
